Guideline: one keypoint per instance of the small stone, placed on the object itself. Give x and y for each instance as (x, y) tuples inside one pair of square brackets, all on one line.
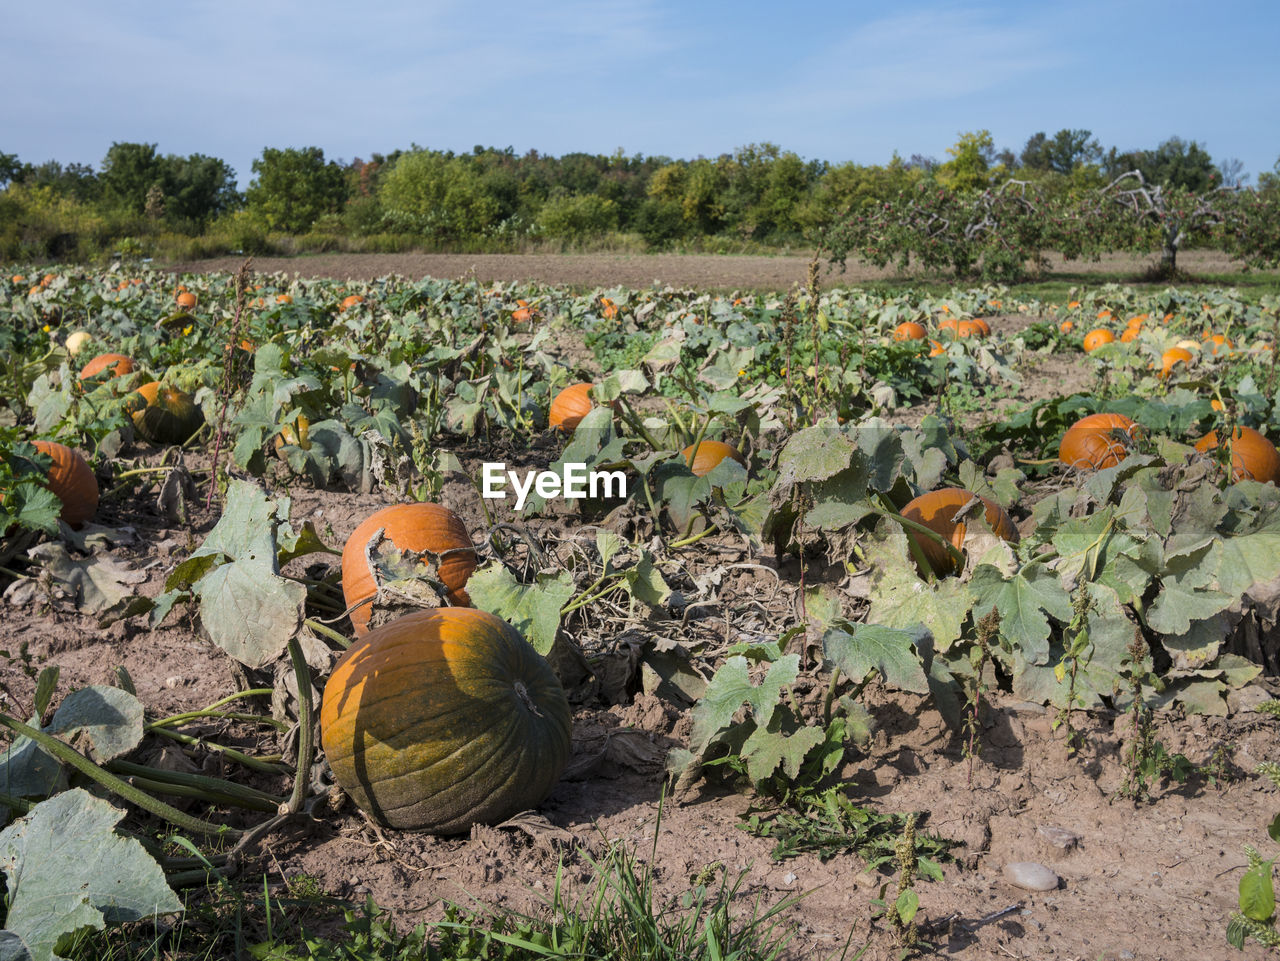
[(1126, 955), (173, 681), (1030, 876), (1058, 837), (788, 879)]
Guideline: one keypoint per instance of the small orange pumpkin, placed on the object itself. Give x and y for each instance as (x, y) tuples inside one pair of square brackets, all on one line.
[(909, 330), (937, 511), (186, 300), (1172, 357), (708, 456), (569, 406), (350, 301), (409, 527), (72, 480), (1096, 338)]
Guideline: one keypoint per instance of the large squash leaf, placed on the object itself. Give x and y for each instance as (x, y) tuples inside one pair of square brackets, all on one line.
[(61, 880)]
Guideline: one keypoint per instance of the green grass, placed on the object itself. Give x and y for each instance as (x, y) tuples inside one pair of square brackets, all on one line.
[(618, 914)]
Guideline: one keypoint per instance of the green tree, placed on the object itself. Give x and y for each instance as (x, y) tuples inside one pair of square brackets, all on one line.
[(293, 187), (10, 168), (1063, 153), (439, 196), (1175, 163), (970, 165), (198, 188), (577, 218), (128, 172)]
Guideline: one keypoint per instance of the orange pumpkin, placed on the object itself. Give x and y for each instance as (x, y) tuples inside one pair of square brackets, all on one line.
[(119, 365), (443, 719), (284, 298), (1097, 441), (569, 406), (949, 324), (909, 330), (937, 511), (1096, 338), (1253, 457), (982, 325), (708, 456), (409, 527), (186, 300), (1172, 357), (1067, 326), (350, 301), (72, 480), (968, 328)]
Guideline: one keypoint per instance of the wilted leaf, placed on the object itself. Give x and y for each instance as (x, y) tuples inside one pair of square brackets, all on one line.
[(95, 583)]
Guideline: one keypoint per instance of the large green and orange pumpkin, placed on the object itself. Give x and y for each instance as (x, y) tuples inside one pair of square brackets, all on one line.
[(163, 415), (409, 527), (72, 480), (443, 719), (938, 510)]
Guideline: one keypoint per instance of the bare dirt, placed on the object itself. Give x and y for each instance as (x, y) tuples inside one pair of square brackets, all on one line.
[(720, 272), (1151, 880)]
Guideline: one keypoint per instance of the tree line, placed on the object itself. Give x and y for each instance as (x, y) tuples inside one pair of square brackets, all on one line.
[(907, 210)]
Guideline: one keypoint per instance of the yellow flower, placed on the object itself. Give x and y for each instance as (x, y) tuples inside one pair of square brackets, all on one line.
[(186, 330), (742, 373), (45, 328)]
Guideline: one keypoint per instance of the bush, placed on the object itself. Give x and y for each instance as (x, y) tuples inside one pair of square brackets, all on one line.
[(578, 217)]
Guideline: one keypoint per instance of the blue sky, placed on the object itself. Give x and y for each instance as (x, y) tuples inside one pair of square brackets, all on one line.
[(833, 81)]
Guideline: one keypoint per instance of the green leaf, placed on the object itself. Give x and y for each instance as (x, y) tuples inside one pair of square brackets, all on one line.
[(61, 880), (1023, 601), (731, 688), (900, 599), (532, 609), (814, 454), (34, 507), (767, 748), (1257, 893), (859, 649), (907, 905)]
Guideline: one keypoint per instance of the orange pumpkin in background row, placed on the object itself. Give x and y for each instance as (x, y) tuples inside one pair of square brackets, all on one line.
[(118, 363), (72, 480), (1253, 457), (1096, 338), (569, 406), (709, 455), (409, 527), (1097, 441), (937, 511)]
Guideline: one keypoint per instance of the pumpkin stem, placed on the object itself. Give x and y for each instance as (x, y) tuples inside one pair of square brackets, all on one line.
[(522, 693), (306, 747)]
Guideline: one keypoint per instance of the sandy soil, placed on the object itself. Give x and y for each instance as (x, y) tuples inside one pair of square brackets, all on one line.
[(639, 270)]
